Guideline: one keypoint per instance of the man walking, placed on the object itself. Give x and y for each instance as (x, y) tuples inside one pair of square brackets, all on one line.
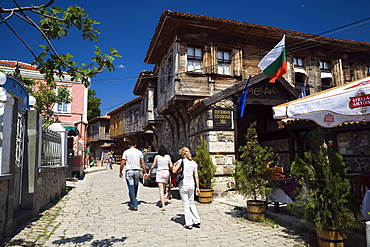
[(132, 158)]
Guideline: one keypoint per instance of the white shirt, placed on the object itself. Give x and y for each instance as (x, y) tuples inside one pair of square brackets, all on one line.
[(132, 157), (163, 162), (189, 166)]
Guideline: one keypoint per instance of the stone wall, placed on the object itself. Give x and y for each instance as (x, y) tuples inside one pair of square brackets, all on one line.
[(3, 202), (355, 149), (221, 146), (50, 184)]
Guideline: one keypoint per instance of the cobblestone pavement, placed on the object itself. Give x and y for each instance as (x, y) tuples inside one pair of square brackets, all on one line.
[(95, 213)]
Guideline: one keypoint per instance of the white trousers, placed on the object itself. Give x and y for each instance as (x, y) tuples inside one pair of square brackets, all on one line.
[(190, 211)]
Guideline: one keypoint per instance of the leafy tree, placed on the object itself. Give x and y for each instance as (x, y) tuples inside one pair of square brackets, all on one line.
[(93, 105), (55, 24), (47, 95)]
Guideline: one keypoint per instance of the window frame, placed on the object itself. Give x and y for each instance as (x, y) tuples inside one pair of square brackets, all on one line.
[(68, 106), (223, 64), (194, 62), (298, 61), (324, 65)]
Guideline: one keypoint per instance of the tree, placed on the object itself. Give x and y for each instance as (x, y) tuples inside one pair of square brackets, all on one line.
[(47, 95), (325, 199), (55, 24), (206, 168), (93, 105), (253, 178)]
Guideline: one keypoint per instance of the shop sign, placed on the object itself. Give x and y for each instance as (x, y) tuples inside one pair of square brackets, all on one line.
[(221, 117)]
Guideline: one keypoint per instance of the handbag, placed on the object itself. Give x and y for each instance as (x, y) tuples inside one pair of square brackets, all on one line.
[(180, 172)]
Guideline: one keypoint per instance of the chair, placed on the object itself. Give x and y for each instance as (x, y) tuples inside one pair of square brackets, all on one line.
[(358, 188), (278, 172)]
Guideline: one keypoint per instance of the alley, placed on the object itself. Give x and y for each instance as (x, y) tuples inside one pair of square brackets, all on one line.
[(95, 213)]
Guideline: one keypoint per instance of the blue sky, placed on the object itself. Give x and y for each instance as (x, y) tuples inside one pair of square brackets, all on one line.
[(128, 26)]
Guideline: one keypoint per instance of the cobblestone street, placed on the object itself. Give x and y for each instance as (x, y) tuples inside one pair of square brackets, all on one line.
[(95, 213)]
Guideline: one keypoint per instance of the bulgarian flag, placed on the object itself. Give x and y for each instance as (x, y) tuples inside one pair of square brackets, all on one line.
[(274, 63)]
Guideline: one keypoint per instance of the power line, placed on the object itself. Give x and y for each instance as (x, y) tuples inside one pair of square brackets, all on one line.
[(302, 45)]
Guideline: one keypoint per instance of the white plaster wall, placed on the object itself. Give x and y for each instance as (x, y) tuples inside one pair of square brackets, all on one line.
[(6, 115)]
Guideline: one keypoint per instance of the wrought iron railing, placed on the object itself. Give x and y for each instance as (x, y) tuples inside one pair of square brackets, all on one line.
[(51, 148)]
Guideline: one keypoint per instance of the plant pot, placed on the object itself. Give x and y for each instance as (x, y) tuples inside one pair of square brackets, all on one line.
[(329, 238), (256, 210), (205, 196)]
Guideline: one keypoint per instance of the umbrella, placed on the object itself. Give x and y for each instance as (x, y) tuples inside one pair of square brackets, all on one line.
[(331, 107)]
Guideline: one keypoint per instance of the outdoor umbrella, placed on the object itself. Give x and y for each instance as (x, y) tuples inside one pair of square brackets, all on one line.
[(331, 107)]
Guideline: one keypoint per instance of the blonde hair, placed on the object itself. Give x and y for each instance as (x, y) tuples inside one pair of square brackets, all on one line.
[(185, 152)]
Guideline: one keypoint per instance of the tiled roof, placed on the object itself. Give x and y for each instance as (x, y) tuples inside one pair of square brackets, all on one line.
[(12, 64), (22, 65), (211, 21), (251, 25)]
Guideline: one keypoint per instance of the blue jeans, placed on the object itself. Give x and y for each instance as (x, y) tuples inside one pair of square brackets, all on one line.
[(132, 179)]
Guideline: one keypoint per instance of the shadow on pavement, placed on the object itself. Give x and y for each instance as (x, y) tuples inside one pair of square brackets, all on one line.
[(87, 238), (305, 235), (179, 219)]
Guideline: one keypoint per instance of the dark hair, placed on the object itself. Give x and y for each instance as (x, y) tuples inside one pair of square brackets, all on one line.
[(130, 144), (162, 151)]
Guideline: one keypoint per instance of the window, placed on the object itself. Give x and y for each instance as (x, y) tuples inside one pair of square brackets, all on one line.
[(298, 62), (64, 107), (367, 70), (324, 65), (194, 59), (223, 62)]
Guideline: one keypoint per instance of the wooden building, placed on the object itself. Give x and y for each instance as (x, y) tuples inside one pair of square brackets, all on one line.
[(201, 64), (126, 124)]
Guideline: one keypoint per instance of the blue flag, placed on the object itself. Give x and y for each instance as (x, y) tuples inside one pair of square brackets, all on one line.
[(243, 98), (303, 91)]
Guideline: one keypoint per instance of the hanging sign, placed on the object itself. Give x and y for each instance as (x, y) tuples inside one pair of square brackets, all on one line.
[(17, 90), (221, 117)]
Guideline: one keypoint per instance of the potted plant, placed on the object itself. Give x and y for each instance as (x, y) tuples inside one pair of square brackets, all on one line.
[(206, 171), (324, 199), (252, 177)]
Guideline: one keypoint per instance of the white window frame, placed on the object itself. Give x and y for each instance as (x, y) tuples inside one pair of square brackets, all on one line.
[(65, 107), (324, 65), (298, 61), (223, 62), (194, 59)]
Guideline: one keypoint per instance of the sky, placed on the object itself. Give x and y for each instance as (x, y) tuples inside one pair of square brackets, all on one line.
[(128, 26)]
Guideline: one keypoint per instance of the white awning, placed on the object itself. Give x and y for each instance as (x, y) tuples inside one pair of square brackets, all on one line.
[(300, 70), (326, 75)]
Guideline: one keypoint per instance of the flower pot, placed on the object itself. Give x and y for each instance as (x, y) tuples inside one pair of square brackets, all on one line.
[(205, 196), (329, 238), (256, 210)]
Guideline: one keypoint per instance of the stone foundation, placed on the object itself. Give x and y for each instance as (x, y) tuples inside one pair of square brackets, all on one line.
[(51, 183), (3, 201)]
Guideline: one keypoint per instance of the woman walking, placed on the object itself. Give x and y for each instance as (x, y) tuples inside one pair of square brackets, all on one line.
[(187, 187), (163, 162)]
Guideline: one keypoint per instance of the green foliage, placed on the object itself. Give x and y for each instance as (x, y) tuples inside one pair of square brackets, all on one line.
[(47, 95), (251, 175), (206, 168), (55, 24), (324, 199), (93, 104)]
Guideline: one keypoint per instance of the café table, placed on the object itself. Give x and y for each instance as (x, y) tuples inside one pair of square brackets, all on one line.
[(365, 205), (284, 193)]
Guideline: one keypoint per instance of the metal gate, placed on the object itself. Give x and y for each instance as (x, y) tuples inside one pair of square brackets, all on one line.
[(19, 155)]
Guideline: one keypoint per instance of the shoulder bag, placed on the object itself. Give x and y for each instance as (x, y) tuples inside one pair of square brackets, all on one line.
[(180, 172)]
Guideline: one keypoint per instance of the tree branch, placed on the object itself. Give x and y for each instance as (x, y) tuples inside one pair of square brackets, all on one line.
[(20, 9)]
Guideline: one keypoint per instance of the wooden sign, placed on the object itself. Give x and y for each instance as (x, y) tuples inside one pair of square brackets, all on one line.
[(221, 117)]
